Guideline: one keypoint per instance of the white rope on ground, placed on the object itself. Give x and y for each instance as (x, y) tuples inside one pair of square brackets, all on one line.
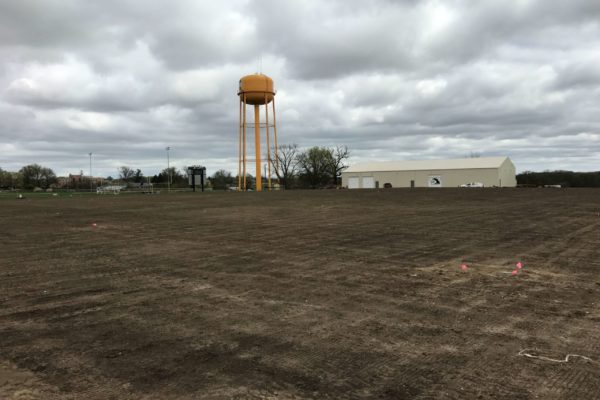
[(525, 353)]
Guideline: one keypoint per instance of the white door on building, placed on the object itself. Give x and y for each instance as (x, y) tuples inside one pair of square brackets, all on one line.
[(368, 182), (353, 182)]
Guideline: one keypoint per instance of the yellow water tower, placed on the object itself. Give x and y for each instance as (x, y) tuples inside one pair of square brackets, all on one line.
[(256, 90)]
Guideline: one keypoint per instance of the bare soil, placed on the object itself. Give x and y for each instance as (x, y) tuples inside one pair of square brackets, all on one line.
[(301, 295)]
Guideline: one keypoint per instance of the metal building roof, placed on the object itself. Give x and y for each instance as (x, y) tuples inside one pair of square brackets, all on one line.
[(420, 165)]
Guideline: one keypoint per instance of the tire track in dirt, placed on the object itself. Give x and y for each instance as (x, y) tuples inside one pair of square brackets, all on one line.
[(572, 381)]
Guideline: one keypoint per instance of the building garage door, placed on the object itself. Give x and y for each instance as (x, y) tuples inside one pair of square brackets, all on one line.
[(353, 182), (368, 182)]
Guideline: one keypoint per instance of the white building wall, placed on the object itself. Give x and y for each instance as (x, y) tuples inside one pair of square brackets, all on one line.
[(503, 176), (508, 174)]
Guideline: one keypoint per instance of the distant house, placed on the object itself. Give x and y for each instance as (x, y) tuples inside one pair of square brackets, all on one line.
[(78, 181), (75, 179)]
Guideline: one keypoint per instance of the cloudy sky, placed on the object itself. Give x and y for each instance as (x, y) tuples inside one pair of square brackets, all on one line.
[(407, 79)]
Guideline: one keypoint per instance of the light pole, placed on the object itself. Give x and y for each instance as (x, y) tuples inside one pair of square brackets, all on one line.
[(91, 179), (168, 171)]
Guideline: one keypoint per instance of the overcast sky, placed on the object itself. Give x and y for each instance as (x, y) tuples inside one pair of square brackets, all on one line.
[(392, 80)]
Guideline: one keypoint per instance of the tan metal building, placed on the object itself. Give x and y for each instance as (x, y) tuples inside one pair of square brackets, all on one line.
[(489, 171)]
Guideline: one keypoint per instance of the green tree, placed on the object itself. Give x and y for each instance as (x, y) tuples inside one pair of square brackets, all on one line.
[(222, 180), (176, 177), (315, 166), (563, 178), (250, 181), (34, 175), (138, 176), (6, 179)]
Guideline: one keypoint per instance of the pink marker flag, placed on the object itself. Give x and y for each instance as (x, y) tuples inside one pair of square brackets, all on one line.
[(464, 267), (519, 265)]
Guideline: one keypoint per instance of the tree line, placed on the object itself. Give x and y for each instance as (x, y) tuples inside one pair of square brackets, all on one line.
[(29, 177), (35, 176), (294, 168), (315, 167), (563, 178)]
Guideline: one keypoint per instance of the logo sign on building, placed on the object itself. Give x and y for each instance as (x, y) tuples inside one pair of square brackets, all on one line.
[(435, 181)]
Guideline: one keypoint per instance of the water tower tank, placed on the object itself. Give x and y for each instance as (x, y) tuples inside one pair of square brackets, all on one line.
[(258, 89)]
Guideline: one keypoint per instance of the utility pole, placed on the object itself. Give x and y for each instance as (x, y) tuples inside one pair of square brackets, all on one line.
[(91, 179), (168, 171)]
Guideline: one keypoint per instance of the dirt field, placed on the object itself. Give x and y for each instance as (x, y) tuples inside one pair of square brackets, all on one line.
[(301, 295)]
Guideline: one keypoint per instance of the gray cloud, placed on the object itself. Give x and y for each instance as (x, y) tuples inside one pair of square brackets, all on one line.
[(390, 79)]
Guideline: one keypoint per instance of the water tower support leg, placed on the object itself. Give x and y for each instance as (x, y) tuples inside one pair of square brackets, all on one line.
[(268, 144), (239, 185), (257, 146), (244, 145), (275, 136)]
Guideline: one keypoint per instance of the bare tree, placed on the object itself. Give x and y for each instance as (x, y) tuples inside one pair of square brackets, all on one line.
[(339, 155), (285, 163), (125, 173)]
